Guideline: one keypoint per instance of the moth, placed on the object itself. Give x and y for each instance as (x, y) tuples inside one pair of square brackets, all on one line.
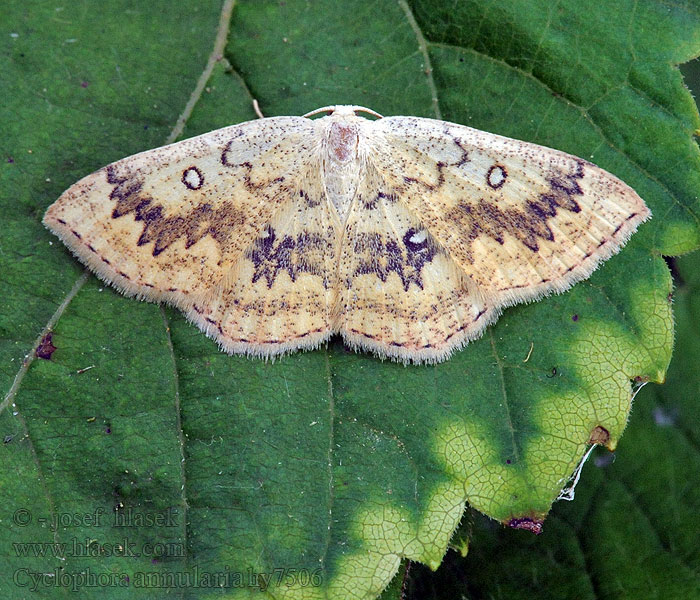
[(405, 235)]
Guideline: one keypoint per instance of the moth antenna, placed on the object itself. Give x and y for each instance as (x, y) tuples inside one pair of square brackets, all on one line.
[(318, 111), (350, 108)]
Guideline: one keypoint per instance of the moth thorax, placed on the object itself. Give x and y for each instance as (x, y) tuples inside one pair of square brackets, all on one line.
[(342, 141), (341, 166)]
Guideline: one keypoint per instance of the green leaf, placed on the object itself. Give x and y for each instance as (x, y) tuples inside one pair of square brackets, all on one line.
[(629, 533), (326, 468)]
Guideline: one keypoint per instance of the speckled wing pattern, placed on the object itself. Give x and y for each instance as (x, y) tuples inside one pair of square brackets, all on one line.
[(402, 294), (210, 224), (500, 222), (407, 236)]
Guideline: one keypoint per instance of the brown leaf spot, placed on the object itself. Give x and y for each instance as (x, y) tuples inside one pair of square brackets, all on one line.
[(45, 348), (527, 523), (599, 435)]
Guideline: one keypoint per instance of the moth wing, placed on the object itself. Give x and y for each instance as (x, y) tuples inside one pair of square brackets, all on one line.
[(400, 294), (279, 296), (520, 220), (170, 223)]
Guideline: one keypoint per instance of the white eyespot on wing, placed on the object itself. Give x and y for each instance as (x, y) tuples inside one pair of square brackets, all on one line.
[(496, 176)]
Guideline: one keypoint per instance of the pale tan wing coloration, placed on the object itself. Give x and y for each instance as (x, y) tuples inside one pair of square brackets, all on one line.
[(233, 227), (520, 220), (408, 236), (170, 223), (279, 296), (402, 295)]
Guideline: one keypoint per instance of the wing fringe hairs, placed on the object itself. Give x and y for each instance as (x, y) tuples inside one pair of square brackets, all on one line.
[(407, 236)]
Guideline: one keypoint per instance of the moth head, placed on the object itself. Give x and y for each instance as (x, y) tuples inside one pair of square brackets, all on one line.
[(342, 130)]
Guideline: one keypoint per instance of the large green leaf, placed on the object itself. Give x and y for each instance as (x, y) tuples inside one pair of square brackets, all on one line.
[(629, 533), (329, 462)]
